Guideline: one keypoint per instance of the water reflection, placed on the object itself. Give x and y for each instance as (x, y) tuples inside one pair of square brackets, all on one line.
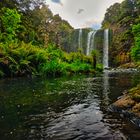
[(106, 89), (64, 108)]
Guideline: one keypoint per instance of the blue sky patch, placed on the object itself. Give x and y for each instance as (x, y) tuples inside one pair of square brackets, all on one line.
[(56, 1)]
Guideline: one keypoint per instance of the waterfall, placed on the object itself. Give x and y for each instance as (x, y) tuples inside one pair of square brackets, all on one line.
[(90, 42), (80, 38), (105, 48)]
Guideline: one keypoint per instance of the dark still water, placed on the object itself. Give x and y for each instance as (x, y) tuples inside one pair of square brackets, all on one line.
[(72, 108)]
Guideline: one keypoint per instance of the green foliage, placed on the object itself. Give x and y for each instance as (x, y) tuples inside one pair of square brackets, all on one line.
[(99, 67), (54, 52), (136, 30), (10, 22), (95, 53), (26, 59), (39, 26), (95, 57), (112, 15), (121, 13), (53, 68), (61, 62), (21, 59), (135, 51), (78, 66), (135, 93)]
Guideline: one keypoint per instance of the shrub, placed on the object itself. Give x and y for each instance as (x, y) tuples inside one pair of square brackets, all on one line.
[(52, 68), (18, 59), (135, 51), (10, 22)]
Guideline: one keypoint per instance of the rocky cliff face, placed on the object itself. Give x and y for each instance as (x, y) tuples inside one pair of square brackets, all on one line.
[(73, 42), (121, 43), (78, 40)]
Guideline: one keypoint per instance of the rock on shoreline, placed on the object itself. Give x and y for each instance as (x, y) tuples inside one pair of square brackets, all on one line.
[(128, 106)]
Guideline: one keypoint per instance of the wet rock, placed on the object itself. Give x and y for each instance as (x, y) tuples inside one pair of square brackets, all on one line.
[(125, 114)]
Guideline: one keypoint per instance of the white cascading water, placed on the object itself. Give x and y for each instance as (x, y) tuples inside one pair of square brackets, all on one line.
[(90, 42), (105, 48), (80, 38)]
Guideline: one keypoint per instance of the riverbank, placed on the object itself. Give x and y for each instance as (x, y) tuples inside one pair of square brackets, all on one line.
[(130, 65), (128, 105)]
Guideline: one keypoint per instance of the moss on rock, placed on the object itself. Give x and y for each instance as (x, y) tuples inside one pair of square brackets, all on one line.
[(135, 93), (130, 101)]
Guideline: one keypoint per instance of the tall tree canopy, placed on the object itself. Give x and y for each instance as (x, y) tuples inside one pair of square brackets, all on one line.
[(39, 25)]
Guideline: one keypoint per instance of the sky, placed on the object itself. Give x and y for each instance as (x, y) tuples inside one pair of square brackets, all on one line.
[(81, 13)]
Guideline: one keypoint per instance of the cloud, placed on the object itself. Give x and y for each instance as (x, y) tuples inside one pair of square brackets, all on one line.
[(81, 13)]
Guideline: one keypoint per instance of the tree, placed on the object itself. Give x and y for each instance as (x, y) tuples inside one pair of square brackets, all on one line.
[(135, 51), (39, 26), (35, 23), (8, 4), (9, 24), (95, 55), (128, 8), (112, 15), (58, 30)]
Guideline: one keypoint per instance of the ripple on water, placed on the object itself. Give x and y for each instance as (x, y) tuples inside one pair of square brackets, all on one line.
[(65, 109)]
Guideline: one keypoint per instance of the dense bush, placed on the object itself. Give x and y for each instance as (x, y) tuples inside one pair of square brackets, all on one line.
[(18, 59), (9, 24), (135, 51), (21, 59)]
